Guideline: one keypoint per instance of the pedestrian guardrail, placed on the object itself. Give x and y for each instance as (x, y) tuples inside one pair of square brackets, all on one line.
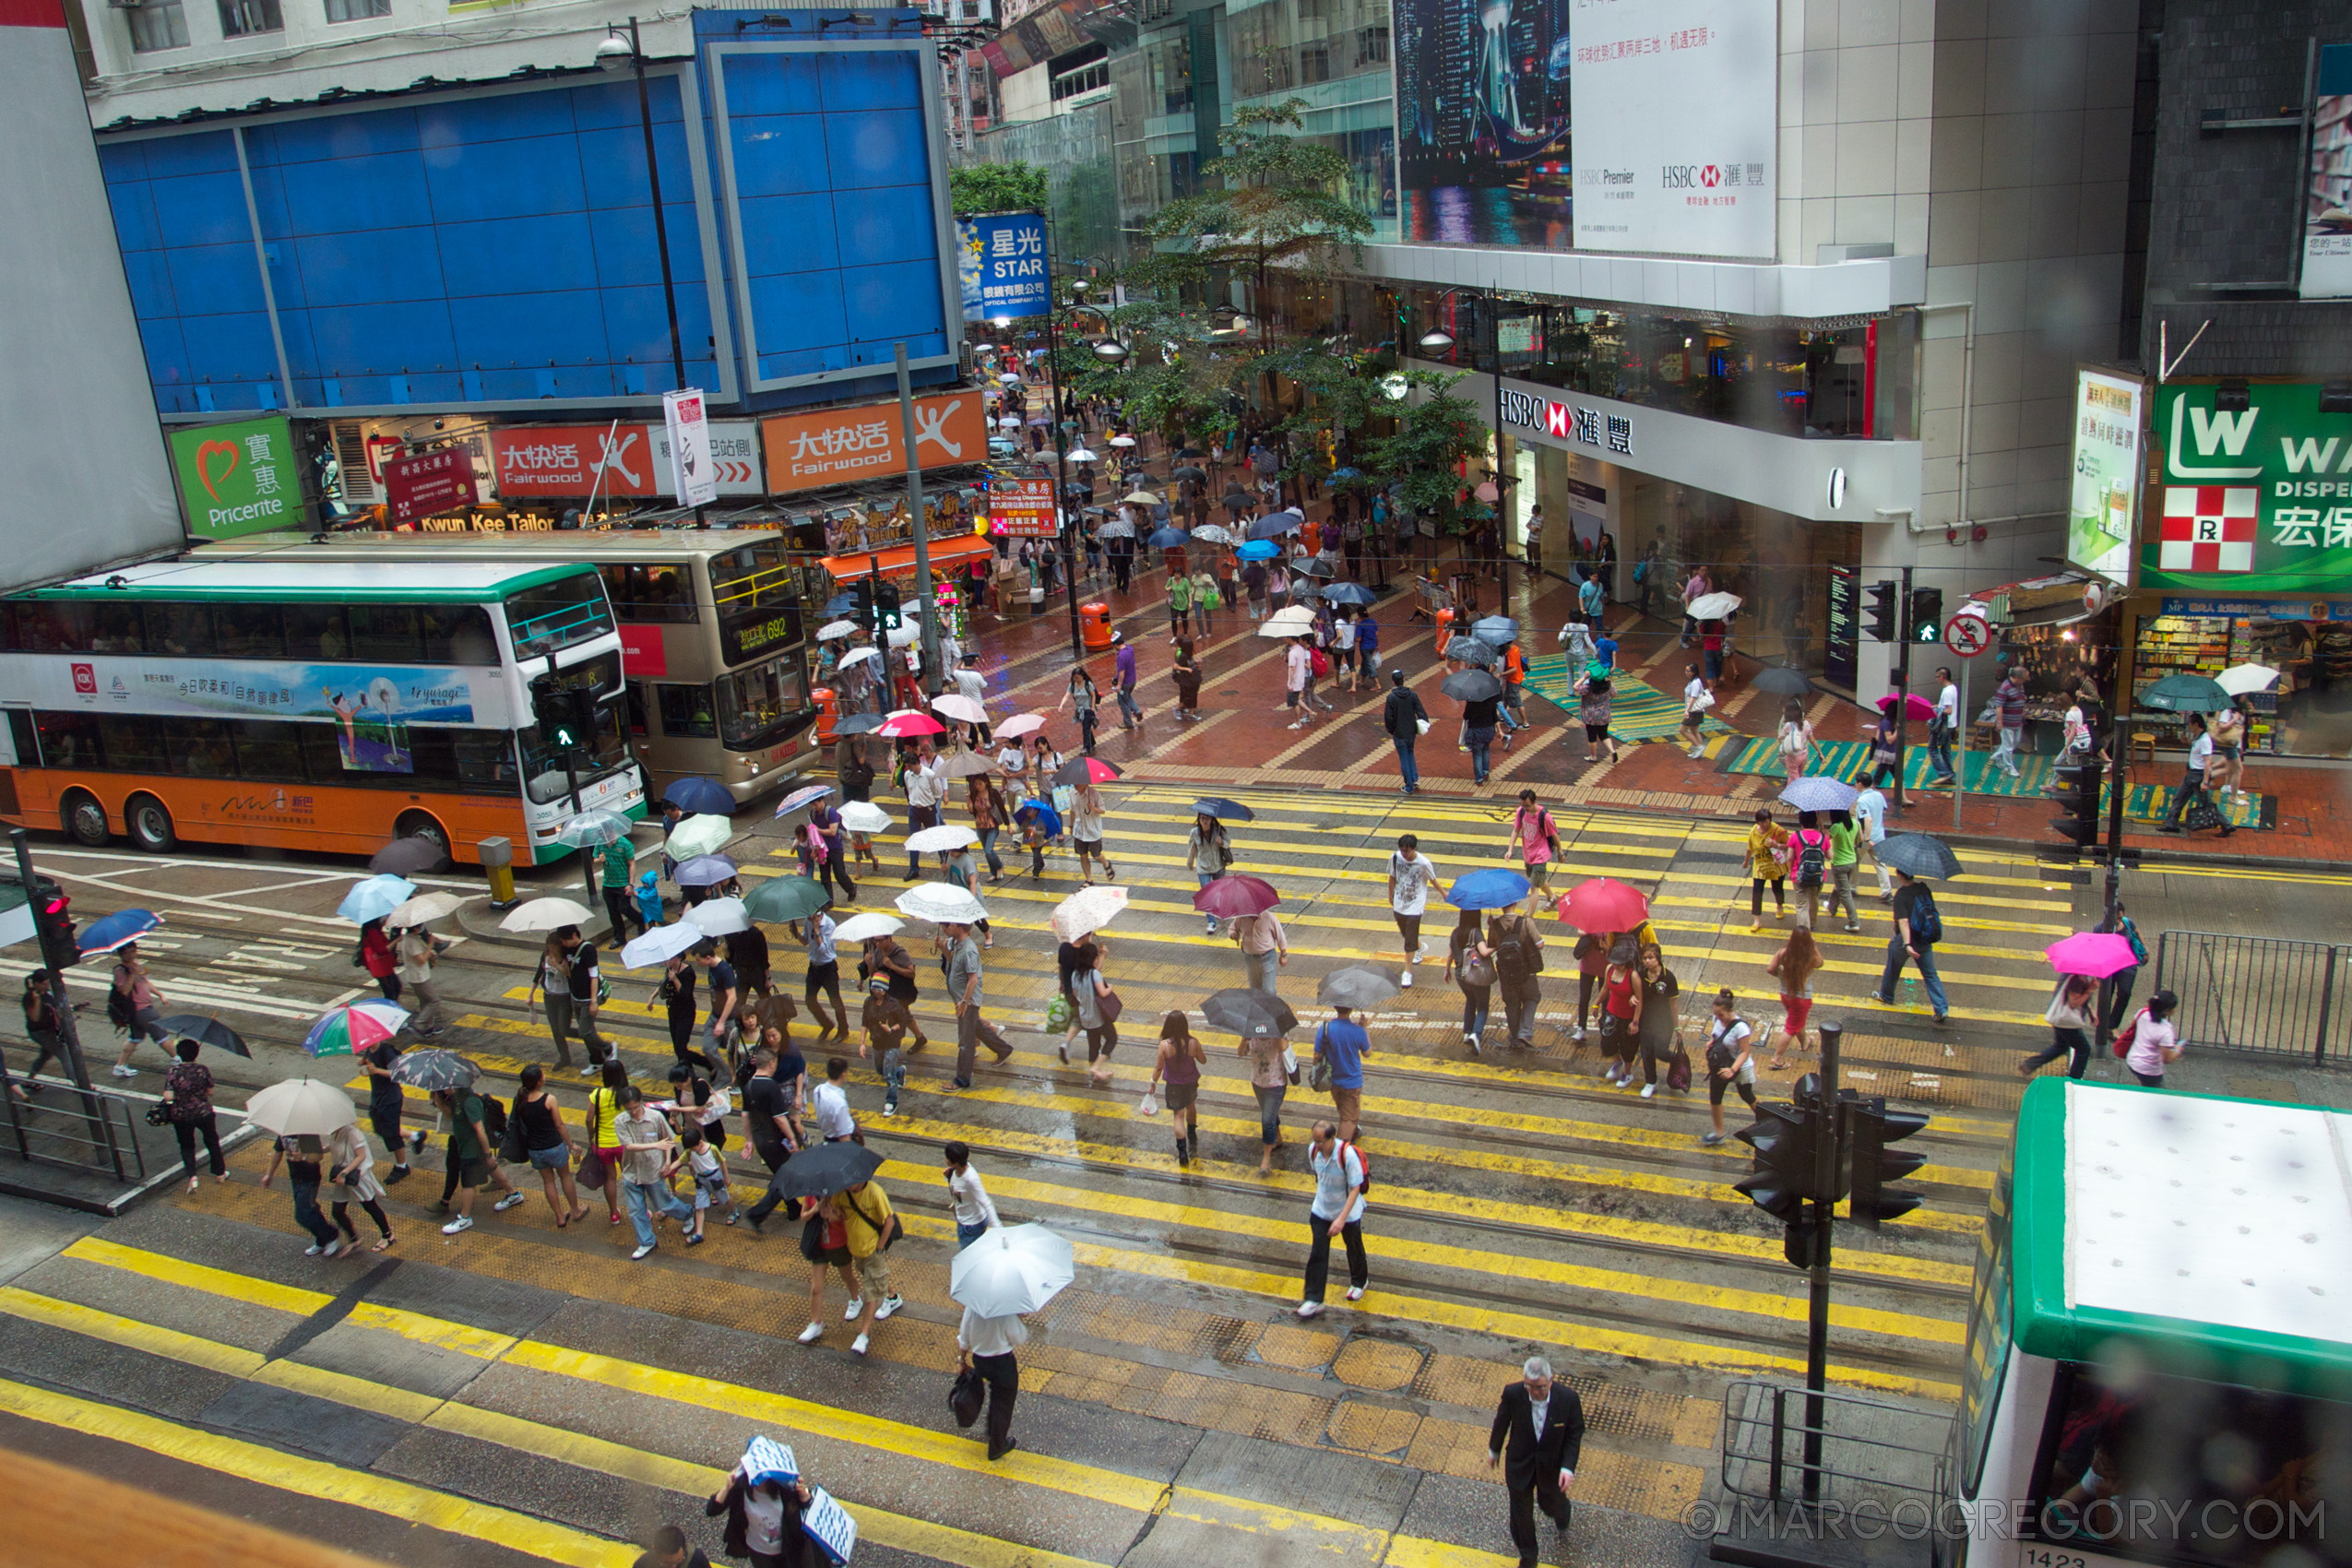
[(2268, 995), (1871, 1453), (79, 1129)]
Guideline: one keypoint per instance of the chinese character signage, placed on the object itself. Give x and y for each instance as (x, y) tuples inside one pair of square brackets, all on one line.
[(2255, 500), (1001, 265), (1585, 427), (574, 460), (2102, 519), (843, 445), (734, 458), (427, 485), (2327, 197), (1021, 508), (694, 478), (238, 479)]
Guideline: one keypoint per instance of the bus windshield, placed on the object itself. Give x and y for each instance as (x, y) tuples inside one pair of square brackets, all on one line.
[(561, 614), (757, 703), (756, 577)]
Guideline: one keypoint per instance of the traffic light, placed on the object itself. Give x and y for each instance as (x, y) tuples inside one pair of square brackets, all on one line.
[(1870, 1128), (861, 592), (54, 926), (885, 606), (2082, 826), (1787, 1141), (1884, 610), (566, 714), (1927, 615)]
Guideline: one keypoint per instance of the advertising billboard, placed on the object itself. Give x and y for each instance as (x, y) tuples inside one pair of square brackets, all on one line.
[(1677, 102), (1000, 264), (428, 484), (692, 475), (1482, 145), (2103, 515), (2327, 197), (238, 479), (1021, 508), (844, 445), (2256, 500)]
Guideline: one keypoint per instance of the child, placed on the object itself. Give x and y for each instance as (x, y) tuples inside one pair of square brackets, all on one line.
[(1731, 1063), (709, 1173), (649, 900), (886, 1023), (1034, 837)]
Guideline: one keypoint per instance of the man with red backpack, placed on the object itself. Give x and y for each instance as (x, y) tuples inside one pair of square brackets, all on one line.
[(1806, 854), (1342, 1177)]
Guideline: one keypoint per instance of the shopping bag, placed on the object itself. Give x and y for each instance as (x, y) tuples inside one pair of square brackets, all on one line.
[(964, 1399), (1148, 1105), (592, 1173), (829, 1525)]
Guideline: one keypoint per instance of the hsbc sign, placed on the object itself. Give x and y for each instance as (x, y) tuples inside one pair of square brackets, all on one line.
[(1580, 424)]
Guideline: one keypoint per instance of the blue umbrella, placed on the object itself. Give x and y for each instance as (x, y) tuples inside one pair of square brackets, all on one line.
[(1046, 814), (1347, 471), (840, 604), (122, 926), (807, 795), (1492, 888), (1169, 539), (374, 898), (1222, 809), (1258, 550), (703, 870), (700, 797), (1347, 593)]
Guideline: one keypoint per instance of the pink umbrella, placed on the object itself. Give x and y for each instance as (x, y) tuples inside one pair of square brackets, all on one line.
[(1486, 492), (906, 721), (1229, 896), (2097, 954), (1915, 706), (1020, 724)]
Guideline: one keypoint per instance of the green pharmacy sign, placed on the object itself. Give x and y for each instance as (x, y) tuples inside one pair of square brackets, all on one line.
[(238, 479), (2255, 500)]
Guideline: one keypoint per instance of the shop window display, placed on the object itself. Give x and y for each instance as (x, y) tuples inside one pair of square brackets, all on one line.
[(2307, 713)]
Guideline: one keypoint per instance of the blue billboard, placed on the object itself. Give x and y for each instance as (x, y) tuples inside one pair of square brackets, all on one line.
[(1000, 264)]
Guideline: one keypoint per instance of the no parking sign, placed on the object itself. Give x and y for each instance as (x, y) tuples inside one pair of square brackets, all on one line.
[(1967, 633)]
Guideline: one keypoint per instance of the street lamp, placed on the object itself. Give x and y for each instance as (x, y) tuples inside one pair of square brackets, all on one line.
[(614, 52), (1111, 351)]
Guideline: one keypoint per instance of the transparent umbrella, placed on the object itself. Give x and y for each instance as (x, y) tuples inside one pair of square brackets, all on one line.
[(592, 830)]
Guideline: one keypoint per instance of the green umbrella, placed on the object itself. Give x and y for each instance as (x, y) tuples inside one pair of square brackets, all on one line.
[(785, 898), (2187, 693)]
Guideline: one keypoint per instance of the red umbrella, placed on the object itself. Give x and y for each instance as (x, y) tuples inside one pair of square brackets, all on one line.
[(1085, 770), (1228, 896), (906, 721), (1913, 706), (1604, 904)]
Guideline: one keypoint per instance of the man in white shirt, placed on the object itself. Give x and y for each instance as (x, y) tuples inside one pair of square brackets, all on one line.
[(925, 790), (975, 1210), (970, 683), (1337, 1211), (1298, 666), (1943, 728), (986, 1345), (1410, 873), (830, 1103), (1869, 810), (2193, 784)]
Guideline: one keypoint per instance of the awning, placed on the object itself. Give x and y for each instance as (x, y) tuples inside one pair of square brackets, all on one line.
[(2064, 598), (900, 559)]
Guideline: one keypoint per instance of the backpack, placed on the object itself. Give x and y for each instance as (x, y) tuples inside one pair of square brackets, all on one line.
[(1812, 856), (2139, 949), (494, 1119), (1926, 922), (118, 1007), (1362, 1159), (1320, 663), (1517, 955)]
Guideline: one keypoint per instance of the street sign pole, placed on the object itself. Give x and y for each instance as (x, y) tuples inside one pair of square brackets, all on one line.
[(1056, 407), (61, 1007), (1902, 682), (1829, 1115), (1964, 636), (926, 609)]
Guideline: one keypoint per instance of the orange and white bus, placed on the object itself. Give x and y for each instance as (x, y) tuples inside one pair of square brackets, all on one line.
[(306, 703)]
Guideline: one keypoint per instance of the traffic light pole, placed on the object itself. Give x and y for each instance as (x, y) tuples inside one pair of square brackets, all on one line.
[(62, 1009), (927, 611), (572, 779), (1830, 1114), (1902, 682), (1065, 515)]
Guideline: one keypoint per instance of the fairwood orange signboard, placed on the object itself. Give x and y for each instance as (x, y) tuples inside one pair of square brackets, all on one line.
[(845, 446)]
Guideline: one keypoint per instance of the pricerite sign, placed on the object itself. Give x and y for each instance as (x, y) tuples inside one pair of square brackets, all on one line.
[(238, 479), (2255, 500)]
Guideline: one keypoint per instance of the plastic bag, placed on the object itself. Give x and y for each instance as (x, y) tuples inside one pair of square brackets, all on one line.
[(1149, 1104)]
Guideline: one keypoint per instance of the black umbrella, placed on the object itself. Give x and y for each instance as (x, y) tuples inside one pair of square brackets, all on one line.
[(405, 857), (828, 1169), (1079, 772), (1783, 681), (1247, 1012), (434, 1070), (1274, 525), (1222, 809), (1471, 685), (1190, 451), (1314, 567), (204, 1031), (1918, 854), (1469, 651), (858, 724), (1188, 472)]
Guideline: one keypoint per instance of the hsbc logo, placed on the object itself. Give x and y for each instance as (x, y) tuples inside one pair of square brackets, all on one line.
[(1680, 176), (1556, 418)]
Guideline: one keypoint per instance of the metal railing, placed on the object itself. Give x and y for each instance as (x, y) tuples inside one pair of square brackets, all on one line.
[(1871, 1451), (90, 1129), (2261, 994)]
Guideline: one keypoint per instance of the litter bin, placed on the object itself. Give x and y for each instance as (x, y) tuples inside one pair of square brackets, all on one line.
[(1094, 624), (1444, 629), (828, 711), (498, 864)]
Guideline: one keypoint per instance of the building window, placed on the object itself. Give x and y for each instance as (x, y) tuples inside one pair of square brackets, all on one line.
[(357, 10), (1372, 46), (161, 24), (240, 18), (1081, 71)]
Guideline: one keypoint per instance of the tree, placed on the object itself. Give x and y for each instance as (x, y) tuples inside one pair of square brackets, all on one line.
[(996, 187), (1433, 437)]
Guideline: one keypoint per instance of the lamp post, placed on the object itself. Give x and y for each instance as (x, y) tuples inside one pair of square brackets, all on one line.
[(612, 54), (1437, 342)]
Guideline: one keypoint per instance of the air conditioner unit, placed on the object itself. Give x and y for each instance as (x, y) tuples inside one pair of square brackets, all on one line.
[(351, 450)]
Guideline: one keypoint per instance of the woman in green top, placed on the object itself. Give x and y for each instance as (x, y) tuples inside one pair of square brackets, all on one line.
[(1844, 861), (1180, 603)]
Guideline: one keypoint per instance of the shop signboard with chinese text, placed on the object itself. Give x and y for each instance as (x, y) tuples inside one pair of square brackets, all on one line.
[(685, 420), (2260, 609), (1001, 266), (2255, 500), (428, 484), (734, 457), (1839, 661), (807, 451), (1580, 422), (238, 479), (574, 460), (1021, 508), (2103, 515)]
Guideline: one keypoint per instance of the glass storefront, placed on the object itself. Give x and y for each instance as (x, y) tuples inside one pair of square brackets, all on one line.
[(2307, 713)]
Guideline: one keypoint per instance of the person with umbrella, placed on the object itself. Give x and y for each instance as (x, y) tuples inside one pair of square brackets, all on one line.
[(141, 1007), (378, 958), (187, 1101), (418, 948), (1404, 720), (2195, 782), (1208, 854), (1270, 1082), (869, 1227), (986, 1346), (1341, 1044), (2073, 1006), (1917, 926), (1796, 739), (960, 958), (1479, 719), (1087, 810), (299, 1156)]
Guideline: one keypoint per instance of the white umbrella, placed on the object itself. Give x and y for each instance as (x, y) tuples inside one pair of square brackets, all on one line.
[(1080, 454), (301, 1107), (547, 914), (956, 705), (1713, 606), (1123, 441), (423, 907), (1013, 1269), (1140, 498), (2240, 680), (836, 629), (864, 816), (949, 836), (1088, 910), (1009, 377), (1274, 626), (1020, 724), (867, 926), (857, 653), (660, 944), (941, 903), (705, 835), (904, 634), (717, 917)]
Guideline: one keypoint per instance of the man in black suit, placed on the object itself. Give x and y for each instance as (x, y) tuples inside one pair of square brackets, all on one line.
[(1539, 1432)]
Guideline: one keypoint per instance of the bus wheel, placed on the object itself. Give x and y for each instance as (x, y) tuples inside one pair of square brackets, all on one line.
[(149, 823), (422, 825), (86, 819)]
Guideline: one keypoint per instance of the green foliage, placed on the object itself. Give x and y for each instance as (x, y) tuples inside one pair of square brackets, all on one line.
[(1432, 439), (1272, 200), (996, 187)]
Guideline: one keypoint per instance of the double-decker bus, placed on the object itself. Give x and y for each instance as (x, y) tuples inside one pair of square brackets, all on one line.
[(308, 703), (712, 627)]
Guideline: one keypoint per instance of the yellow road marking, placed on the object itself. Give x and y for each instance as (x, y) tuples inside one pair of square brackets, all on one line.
[(129, 1333), (198, 1276)]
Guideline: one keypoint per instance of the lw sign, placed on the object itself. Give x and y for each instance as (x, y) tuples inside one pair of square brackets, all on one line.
[(2256, 500)]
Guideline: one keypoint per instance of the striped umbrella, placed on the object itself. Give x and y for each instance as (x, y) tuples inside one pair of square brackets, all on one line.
[(346, 1031)]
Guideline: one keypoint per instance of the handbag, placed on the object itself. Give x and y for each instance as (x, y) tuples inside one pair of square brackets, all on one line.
[(965, 1398), (160, 1114), (1107, 1004), (2129, 1035), (1319, 1077), (1477, 970), (591, 1170), (1677, 1070)]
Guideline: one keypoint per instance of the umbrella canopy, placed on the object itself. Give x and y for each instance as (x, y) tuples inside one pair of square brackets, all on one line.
[(592, 830), (1118, 528), (858, 724), (1491, 888), (546, 914), (864, 816), (941, 839), (955, 704), (697, 797), (1913, 706), (1469, 651), (1604, 904), (1815, 794), (1085, 770), (783, 899), (941, 903), (2240, 679), (1230, 897), (1314, 567), (839, 604), (828, 1169), (405, 857), (1088, 910), (1347, 593), (660, 946), (832, 629), (425, 907), (1471, 685), (1123, 441), (2186, 693), (1273, 526), (1169, 539), (1488, 490), (2097, 954), (1713, 606), (1783, 681), (1496, 630), (698, 835), (1276, 626), (717, 917), (1020, 724), (1919, 855), (1047, 817), (904, 635), (867, 926), (1139, 497), (1248, 1012), (855, 654), (205, 1031), (346, 1031), (1080, 454), (906, 721), (1223, 809), (302, 1108), (1356, 986), (430, 1070), (1187, 470), (119, 928), (369, 900), (703, 870), (967, 764), (1212, 533), (1014, 1268), (1258, 550), (806, 795)]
